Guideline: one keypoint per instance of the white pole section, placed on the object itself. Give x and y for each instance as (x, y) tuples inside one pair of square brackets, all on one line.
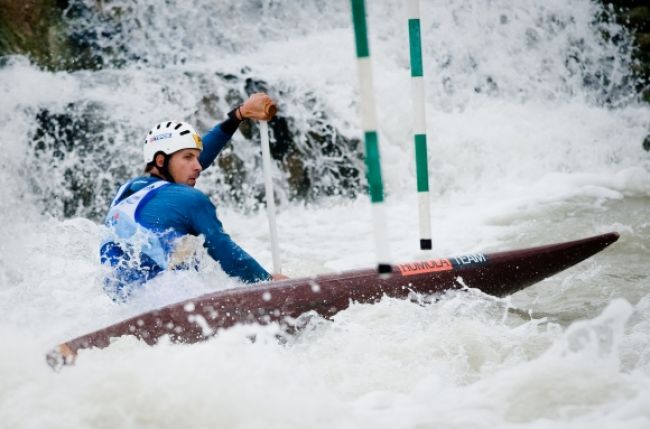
[(270, 199), (369, 125), (419, 127)]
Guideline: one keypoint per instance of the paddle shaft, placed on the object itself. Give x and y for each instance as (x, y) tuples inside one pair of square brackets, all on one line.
[(270, 199)]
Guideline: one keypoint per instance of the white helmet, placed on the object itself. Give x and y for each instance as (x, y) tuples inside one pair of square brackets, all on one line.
[(169, 137)]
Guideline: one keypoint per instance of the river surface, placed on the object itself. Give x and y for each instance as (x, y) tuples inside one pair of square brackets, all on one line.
[(534, 137)]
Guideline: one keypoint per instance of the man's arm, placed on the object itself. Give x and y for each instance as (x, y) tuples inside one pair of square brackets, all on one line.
[(233, 259), (258, 106), (215, 140)]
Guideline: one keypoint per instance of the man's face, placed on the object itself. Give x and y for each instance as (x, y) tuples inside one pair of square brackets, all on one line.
[(184, 166)]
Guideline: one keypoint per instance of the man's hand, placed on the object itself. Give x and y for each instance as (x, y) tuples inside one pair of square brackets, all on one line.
[(276, 276), (259, 106)]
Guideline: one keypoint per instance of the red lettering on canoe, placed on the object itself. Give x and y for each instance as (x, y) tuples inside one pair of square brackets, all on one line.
[(423, 267)]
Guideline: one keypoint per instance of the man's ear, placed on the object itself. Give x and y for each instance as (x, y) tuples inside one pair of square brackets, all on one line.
[(159, 160)]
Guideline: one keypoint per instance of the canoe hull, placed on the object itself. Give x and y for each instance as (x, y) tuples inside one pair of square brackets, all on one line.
[(196, 319)]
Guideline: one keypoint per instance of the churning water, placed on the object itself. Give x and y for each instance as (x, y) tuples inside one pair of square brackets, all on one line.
[(535, 137)]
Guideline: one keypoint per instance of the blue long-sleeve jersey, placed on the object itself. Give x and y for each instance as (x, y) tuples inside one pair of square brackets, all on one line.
[(184, 210)]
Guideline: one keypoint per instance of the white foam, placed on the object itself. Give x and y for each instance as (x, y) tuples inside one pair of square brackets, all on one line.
[(528, 157)]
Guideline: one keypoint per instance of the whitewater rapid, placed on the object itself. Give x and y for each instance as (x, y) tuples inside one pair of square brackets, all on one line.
[(548, 154)]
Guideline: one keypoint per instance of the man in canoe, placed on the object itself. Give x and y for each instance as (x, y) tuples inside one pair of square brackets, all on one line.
[(154, 219)]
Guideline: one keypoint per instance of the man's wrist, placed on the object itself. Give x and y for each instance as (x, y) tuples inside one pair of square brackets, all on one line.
[(231, 124), (235, 114)]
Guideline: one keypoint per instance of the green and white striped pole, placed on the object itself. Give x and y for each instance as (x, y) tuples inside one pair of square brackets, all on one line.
[(369, 125), (419, 127)]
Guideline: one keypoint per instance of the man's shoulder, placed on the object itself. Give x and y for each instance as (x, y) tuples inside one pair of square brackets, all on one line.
[(140, 182), (176, 189), (183, 192), (173, 205)]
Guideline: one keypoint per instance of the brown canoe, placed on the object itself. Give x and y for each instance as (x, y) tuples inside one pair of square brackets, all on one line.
[(196, 319)]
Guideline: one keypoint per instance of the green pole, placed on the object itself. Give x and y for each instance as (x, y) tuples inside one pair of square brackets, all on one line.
[(369, 125), (419, 127)]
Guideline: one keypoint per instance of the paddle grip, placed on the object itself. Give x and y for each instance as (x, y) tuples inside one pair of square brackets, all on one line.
[(270, 110)]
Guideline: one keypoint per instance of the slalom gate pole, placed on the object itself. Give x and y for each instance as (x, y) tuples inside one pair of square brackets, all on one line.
[(270, 199), (419, 127), (369, 125)]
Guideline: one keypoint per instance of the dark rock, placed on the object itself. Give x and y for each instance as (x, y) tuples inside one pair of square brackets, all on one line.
[(40, 30), (319, 161), (635, 15), (84, 156), (71, 165)]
